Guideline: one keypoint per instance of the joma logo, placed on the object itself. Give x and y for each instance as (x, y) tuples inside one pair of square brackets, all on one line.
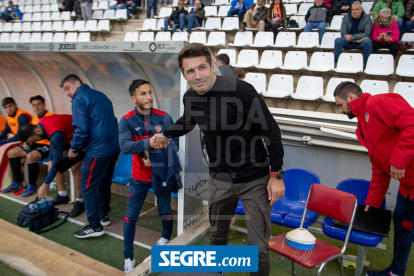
[(67, 47)]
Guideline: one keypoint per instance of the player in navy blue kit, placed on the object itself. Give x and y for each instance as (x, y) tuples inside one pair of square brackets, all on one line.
[(135, 137)]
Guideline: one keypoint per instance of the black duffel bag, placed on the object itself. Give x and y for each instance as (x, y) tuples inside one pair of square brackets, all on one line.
[(37, 215)]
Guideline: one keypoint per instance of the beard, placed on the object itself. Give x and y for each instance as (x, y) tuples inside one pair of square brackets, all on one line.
[(349, 112), (142, 106)]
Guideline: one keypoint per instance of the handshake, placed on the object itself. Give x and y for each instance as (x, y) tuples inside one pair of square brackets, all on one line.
[(158, 141)]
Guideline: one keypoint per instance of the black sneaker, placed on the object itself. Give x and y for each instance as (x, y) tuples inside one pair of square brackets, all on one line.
[(77, 209), (105, 221), (89, 232), (60, 200)]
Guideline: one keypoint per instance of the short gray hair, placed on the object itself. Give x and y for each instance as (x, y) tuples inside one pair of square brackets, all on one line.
[(356, 3), (385, 12)]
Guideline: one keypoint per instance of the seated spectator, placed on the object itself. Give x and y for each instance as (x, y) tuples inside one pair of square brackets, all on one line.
[(67, 5), (194, 19), (341, 6), (318, 17), (329, 3), (276, 17), (355, 32), (397, 8), (255, 16), (384, 23), (33, 153), (174, 20), (240, 74), (77, 9), (223, 64), (238, 7), (7, 13), (409, 15), (17, 13), (16, 118), (125, 4)]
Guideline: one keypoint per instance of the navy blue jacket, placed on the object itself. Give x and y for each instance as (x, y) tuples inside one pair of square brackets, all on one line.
[(166, 168), (135, 131), (95, 124)]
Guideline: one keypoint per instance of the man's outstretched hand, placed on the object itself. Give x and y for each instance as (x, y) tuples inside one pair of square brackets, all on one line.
[(158, 141)]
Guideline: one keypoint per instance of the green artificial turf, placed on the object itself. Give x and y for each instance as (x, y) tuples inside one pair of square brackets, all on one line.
[(105, 249), (110, 250)]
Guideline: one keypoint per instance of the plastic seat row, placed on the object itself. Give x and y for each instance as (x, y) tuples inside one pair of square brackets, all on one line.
[(309, 88), (32, 2), (306, 40), (67, 16), (39, 8), (45, 37), (59, 26), (103, 5), (378, 64)]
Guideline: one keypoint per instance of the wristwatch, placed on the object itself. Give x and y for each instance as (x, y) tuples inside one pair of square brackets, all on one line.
[(279, 174), (74, 150)]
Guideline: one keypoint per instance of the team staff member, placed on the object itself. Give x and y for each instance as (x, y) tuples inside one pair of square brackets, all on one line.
[(59, 131), (96, 129), (135, 130), (234, 120), (33, 153), (386, 129), (16, 118)]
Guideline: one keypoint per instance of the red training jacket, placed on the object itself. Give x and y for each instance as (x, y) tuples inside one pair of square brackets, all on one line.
[(58, 122), (386, 129)]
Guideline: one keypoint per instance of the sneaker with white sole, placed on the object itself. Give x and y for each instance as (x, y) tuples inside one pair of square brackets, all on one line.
[(129, 265), (162, 241), (105, 221), (89, 232)]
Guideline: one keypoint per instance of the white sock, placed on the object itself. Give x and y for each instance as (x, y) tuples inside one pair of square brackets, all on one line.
[(393, 274), (79, 200), (63, 193)]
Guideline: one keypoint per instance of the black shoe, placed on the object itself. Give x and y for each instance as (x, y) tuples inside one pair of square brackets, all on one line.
[(89, 232), (60, 200), (105, 221), (77, 209)]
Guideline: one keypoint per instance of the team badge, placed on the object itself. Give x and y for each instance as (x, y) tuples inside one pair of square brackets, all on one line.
[(157, 129), (366, 117)]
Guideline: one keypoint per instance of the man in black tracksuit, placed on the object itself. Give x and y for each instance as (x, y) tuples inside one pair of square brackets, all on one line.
[(174, 20), (318, 17), (236, 122)]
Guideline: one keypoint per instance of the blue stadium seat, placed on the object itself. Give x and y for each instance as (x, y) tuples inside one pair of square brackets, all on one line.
[(288, 210), (358, 187), (43, 161), (122, 173)]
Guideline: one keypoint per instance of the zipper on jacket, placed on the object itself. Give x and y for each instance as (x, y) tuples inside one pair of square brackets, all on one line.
[(146, 125)]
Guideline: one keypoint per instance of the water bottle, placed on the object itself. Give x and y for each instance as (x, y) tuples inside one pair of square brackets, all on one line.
[(52, 186), (40, 205)]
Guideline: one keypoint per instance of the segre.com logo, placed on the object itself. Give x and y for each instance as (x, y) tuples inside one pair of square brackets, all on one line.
[(207, 258)]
